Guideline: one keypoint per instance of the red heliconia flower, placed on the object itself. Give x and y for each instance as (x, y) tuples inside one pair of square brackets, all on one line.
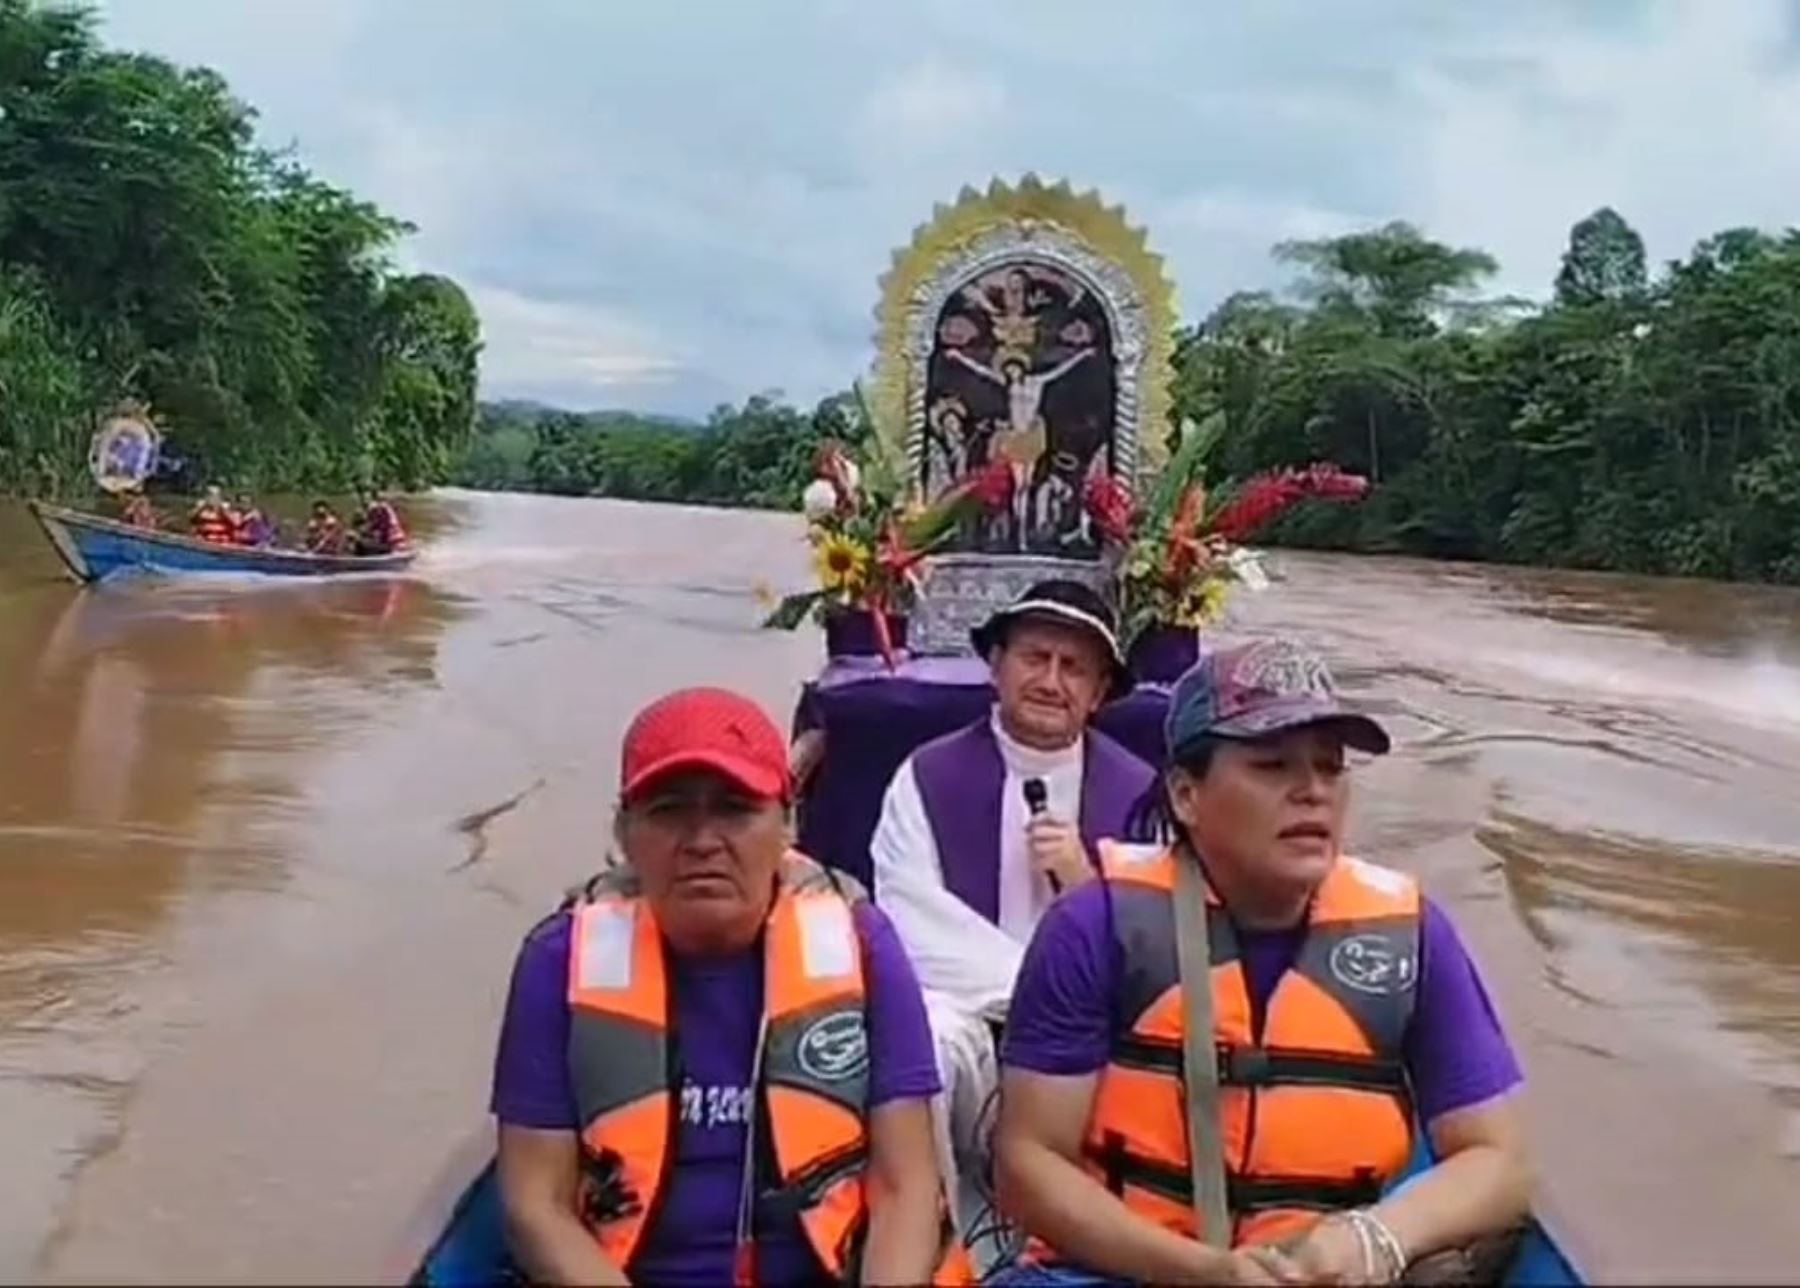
[(1109, 505), (1183, 549), (894, 556), (1329, 483), (1260, 500), (1267, 496)]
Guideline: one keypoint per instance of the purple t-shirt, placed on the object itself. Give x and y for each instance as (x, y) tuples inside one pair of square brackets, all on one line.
[(718, 1009), (1063, 1015)]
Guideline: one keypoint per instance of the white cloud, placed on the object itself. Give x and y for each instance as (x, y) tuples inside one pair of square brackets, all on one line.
[(1682, 129), (533, 344), (932, 103)]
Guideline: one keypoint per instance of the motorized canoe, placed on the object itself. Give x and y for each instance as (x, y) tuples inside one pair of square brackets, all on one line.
[(93, 549)]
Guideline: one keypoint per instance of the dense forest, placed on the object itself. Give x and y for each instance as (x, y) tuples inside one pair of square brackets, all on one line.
[(152, 252), (760, 454), (1631, 422)]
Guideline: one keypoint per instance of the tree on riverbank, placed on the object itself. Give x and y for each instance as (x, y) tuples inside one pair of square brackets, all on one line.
[(1629, 424), (151, 249), (760, 454)]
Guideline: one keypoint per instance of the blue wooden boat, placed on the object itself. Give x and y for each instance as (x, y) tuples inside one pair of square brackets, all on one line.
[(469, 1244), (95, 548)]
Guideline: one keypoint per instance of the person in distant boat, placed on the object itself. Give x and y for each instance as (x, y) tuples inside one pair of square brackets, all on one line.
[(379, 530), (253, 526), (138, 511), (715, 1065), (211, 519), (324, 530), (1344, 1010), (982, 828)]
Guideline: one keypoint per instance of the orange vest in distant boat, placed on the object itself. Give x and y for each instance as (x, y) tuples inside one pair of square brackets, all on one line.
[(384, 521), (1316, 1115), (813, 1090), (212, 523)]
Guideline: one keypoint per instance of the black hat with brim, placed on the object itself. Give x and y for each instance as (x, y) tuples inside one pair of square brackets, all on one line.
[(1071, 604)]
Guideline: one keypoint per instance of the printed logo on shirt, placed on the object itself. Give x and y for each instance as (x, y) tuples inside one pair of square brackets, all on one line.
[(836, 1048), (1373, 963), (715, 1106)]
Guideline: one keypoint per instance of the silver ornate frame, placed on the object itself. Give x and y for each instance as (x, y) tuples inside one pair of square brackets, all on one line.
[(957, 591)]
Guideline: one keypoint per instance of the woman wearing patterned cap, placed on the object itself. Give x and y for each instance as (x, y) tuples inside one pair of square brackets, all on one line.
[(1344, 1010), (715, 1064)]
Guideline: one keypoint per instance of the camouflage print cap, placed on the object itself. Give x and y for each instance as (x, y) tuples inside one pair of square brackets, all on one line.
[(1259, 688)]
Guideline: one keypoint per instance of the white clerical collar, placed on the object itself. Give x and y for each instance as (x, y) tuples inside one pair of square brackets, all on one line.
[(1029, 762)]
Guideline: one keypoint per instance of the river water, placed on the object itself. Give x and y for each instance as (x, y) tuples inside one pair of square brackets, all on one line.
[(266, 850)]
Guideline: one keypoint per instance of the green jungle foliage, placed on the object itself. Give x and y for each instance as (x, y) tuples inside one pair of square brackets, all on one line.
[(152, 252)]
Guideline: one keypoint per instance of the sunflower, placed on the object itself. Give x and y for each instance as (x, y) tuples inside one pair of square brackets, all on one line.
[(1203, 603), (842, 563)]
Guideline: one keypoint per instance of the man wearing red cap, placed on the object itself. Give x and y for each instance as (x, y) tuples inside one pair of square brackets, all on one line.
[(715, 1061)]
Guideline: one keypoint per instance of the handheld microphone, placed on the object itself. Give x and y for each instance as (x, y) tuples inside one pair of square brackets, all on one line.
[(1037, 798)]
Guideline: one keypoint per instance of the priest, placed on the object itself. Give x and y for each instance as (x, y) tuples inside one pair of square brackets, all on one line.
[(982, 828)]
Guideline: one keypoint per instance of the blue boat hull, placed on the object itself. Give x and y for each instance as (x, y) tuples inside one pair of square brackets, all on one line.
[(93, 549), (471, 1247)]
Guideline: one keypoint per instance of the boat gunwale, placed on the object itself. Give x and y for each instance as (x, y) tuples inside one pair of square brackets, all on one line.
[(245, 558), (432, 1219)]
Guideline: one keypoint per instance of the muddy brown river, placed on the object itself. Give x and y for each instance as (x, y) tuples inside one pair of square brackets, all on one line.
[(266, 851)]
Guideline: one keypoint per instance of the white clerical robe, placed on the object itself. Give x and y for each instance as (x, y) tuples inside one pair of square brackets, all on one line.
[(965, 963)]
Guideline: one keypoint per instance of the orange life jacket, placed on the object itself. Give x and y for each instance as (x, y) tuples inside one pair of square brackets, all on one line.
[(1316, 1113), (382, 524), (812, 1085), (212, 523)]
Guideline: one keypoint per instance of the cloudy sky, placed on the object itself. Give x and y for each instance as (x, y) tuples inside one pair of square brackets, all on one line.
[(665, 204)]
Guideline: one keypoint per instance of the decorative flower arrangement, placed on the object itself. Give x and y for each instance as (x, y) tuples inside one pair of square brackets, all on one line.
[(868, 540), (1177, 558)]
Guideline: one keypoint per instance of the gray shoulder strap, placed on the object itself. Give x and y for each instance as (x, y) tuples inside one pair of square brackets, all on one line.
[(1206, 1151)]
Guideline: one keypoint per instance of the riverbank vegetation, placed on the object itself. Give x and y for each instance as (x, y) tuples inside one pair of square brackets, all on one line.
[(1635, 421), (760, 454), (1632, 421), (151, 250)]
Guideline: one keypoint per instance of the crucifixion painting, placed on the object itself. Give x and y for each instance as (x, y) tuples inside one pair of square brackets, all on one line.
[(1021, 370)]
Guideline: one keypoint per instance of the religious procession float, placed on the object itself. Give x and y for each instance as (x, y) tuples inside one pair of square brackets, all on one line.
[(1017, 428), (125, 453)]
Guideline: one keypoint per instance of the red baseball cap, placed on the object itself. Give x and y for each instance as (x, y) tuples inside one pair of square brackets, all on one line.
[(706, 728)]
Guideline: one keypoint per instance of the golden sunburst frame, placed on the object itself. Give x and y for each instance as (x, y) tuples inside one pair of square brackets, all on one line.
[(1031, 222)]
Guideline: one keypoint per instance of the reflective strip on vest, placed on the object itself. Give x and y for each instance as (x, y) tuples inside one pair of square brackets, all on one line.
[(1316, 1113), (815, 1076)]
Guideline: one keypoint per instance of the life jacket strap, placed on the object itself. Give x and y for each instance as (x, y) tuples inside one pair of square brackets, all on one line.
[(1245, 1194), (1250, 1066), (785, 1204)]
